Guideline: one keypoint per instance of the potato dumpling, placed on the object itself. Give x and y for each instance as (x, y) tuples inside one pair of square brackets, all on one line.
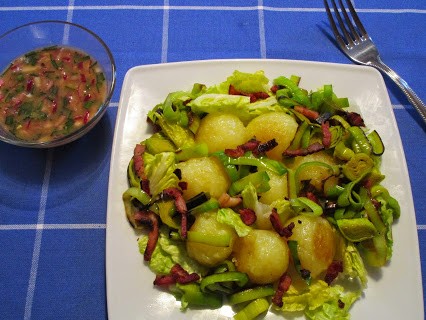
[(221, 131), (263, 255), (316, 242), (205, 254), (316, 174), (205, 174), (273, 125), (278, 191)]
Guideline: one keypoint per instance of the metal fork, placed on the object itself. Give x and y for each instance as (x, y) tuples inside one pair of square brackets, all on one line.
[(358, 46)]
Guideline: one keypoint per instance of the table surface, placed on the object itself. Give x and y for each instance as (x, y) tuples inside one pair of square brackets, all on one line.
[(53, 203)]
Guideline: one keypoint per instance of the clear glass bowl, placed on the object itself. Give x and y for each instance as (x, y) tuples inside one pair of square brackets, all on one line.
[(37, 35)]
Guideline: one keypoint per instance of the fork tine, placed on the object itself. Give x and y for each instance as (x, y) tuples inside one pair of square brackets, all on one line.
[(333, 25), (348, 21), (356, 19), (342, 24)]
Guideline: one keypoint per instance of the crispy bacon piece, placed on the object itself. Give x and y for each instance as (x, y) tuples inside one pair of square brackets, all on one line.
[(311, 196), (253, 96), (248, 216), (315, 147), (278, 226), (308, 113), (333, 271), (274, 88), (264, 147), (355, 119), (226, 201), (183, 185), (177, 275), (180, 204), (139, 166), (326, 134), (235, 153), (283, 286), (252, 145), (150, 219)]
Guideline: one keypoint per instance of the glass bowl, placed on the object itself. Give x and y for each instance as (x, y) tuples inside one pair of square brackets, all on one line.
[(43, 34)]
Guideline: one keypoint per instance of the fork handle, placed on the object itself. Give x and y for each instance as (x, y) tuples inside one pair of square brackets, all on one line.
[(417, 103)]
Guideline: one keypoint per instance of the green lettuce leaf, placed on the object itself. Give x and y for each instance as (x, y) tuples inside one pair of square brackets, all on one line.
[(243, 82), (167, 253), (353, 265), (321, 301), (233, 219), (160, 169), (221, 103)]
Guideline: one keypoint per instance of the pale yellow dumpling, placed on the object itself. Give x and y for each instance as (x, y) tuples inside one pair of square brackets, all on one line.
[(209, 255), (278, 190), (221, 131), (316, 242), (263, 255), (274, 125), (205, 174)]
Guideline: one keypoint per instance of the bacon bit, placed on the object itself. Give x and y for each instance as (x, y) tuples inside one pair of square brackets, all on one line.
[(82, 77), (264, 147), (30, 85), (183, 185), (226, 201), (333, 271), (278, 226), (355, 119), (313, 148), (177, 275), (252, 145), (311, 196), (248, 216), (80, 65), (326, 134), (341, 304), (235, 153), (308, 113), (166, 280), (274, 88), (64, 76), (182, 276), (283, 286), (54, 106), (253, 96), (86, 117), (149, 219), (180, 204), (28, 124), (87, 97)]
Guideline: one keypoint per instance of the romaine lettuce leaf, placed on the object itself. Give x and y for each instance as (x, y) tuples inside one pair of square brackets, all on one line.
[(233, 219), (167, 253), (160, 169), (321, 301)]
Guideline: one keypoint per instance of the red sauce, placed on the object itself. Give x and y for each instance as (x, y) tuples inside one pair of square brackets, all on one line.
[(49, 93)]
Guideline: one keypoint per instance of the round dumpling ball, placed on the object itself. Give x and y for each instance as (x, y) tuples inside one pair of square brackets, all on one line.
[(316, 242), (263, 255), (206, 254), (221, 131), (273, 125), (204, 174)]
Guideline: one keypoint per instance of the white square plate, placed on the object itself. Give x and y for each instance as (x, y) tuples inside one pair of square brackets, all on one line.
[(393, 293)]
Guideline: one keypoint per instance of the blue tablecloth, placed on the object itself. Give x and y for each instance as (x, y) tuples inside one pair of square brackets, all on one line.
[(53, 202)]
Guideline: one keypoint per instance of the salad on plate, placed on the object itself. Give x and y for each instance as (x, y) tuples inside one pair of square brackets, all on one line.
[(260, 195)]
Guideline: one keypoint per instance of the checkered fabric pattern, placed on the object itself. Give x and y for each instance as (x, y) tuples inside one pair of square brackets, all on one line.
[(53, 202)]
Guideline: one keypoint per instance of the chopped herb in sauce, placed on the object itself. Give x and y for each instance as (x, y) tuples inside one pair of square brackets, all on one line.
[(48, 93)]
